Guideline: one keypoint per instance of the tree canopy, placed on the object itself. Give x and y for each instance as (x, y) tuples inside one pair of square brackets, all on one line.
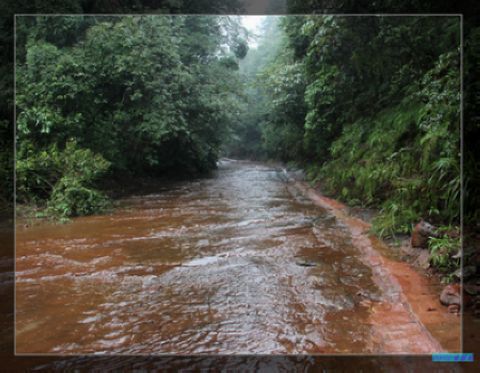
[(128, 96)]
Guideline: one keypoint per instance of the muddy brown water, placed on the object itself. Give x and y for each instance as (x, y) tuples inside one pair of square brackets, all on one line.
[(237, 263)]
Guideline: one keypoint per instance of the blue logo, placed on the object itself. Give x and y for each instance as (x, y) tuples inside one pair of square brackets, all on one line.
[(452, 357)]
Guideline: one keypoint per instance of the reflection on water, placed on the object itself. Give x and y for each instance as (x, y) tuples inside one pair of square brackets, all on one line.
[(238, 263)]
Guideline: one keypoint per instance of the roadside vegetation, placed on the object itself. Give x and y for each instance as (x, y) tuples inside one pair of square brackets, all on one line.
[(369, 105), (371, 108)]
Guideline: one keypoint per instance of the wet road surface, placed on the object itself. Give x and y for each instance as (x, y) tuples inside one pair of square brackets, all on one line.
[(241, 262)]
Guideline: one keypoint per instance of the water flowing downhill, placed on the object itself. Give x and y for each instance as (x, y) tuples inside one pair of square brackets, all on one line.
[(237, 263)]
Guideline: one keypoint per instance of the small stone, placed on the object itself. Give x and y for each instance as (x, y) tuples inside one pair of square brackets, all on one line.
[(454, 308), (450, 296), (422, 233)]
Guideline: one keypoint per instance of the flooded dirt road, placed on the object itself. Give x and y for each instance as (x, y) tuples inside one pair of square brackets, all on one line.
[(241, 262)]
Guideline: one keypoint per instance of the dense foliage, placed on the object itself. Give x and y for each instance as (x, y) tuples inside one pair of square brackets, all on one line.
[(372, 106), (431, 186), (124, 97), (63, 34)]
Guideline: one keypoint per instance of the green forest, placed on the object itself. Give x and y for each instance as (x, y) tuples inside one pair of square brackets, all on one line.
[(122, 98), (370, 106)]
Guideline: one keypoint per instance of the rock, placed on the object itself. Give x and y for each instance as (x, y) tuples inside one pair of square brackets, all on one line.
[(305, 261), (406, 247), (423, 260), (450, 295), (422, 233), (419, 258), (454, 308)]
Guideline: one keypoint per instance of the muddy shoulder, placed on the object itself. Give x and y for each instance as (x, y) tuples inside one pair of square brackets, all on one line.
[(408, 266)]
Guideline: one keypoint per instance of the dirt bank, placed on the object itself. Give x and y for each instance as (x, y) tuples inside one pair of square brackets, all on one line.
[(415, 292)]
